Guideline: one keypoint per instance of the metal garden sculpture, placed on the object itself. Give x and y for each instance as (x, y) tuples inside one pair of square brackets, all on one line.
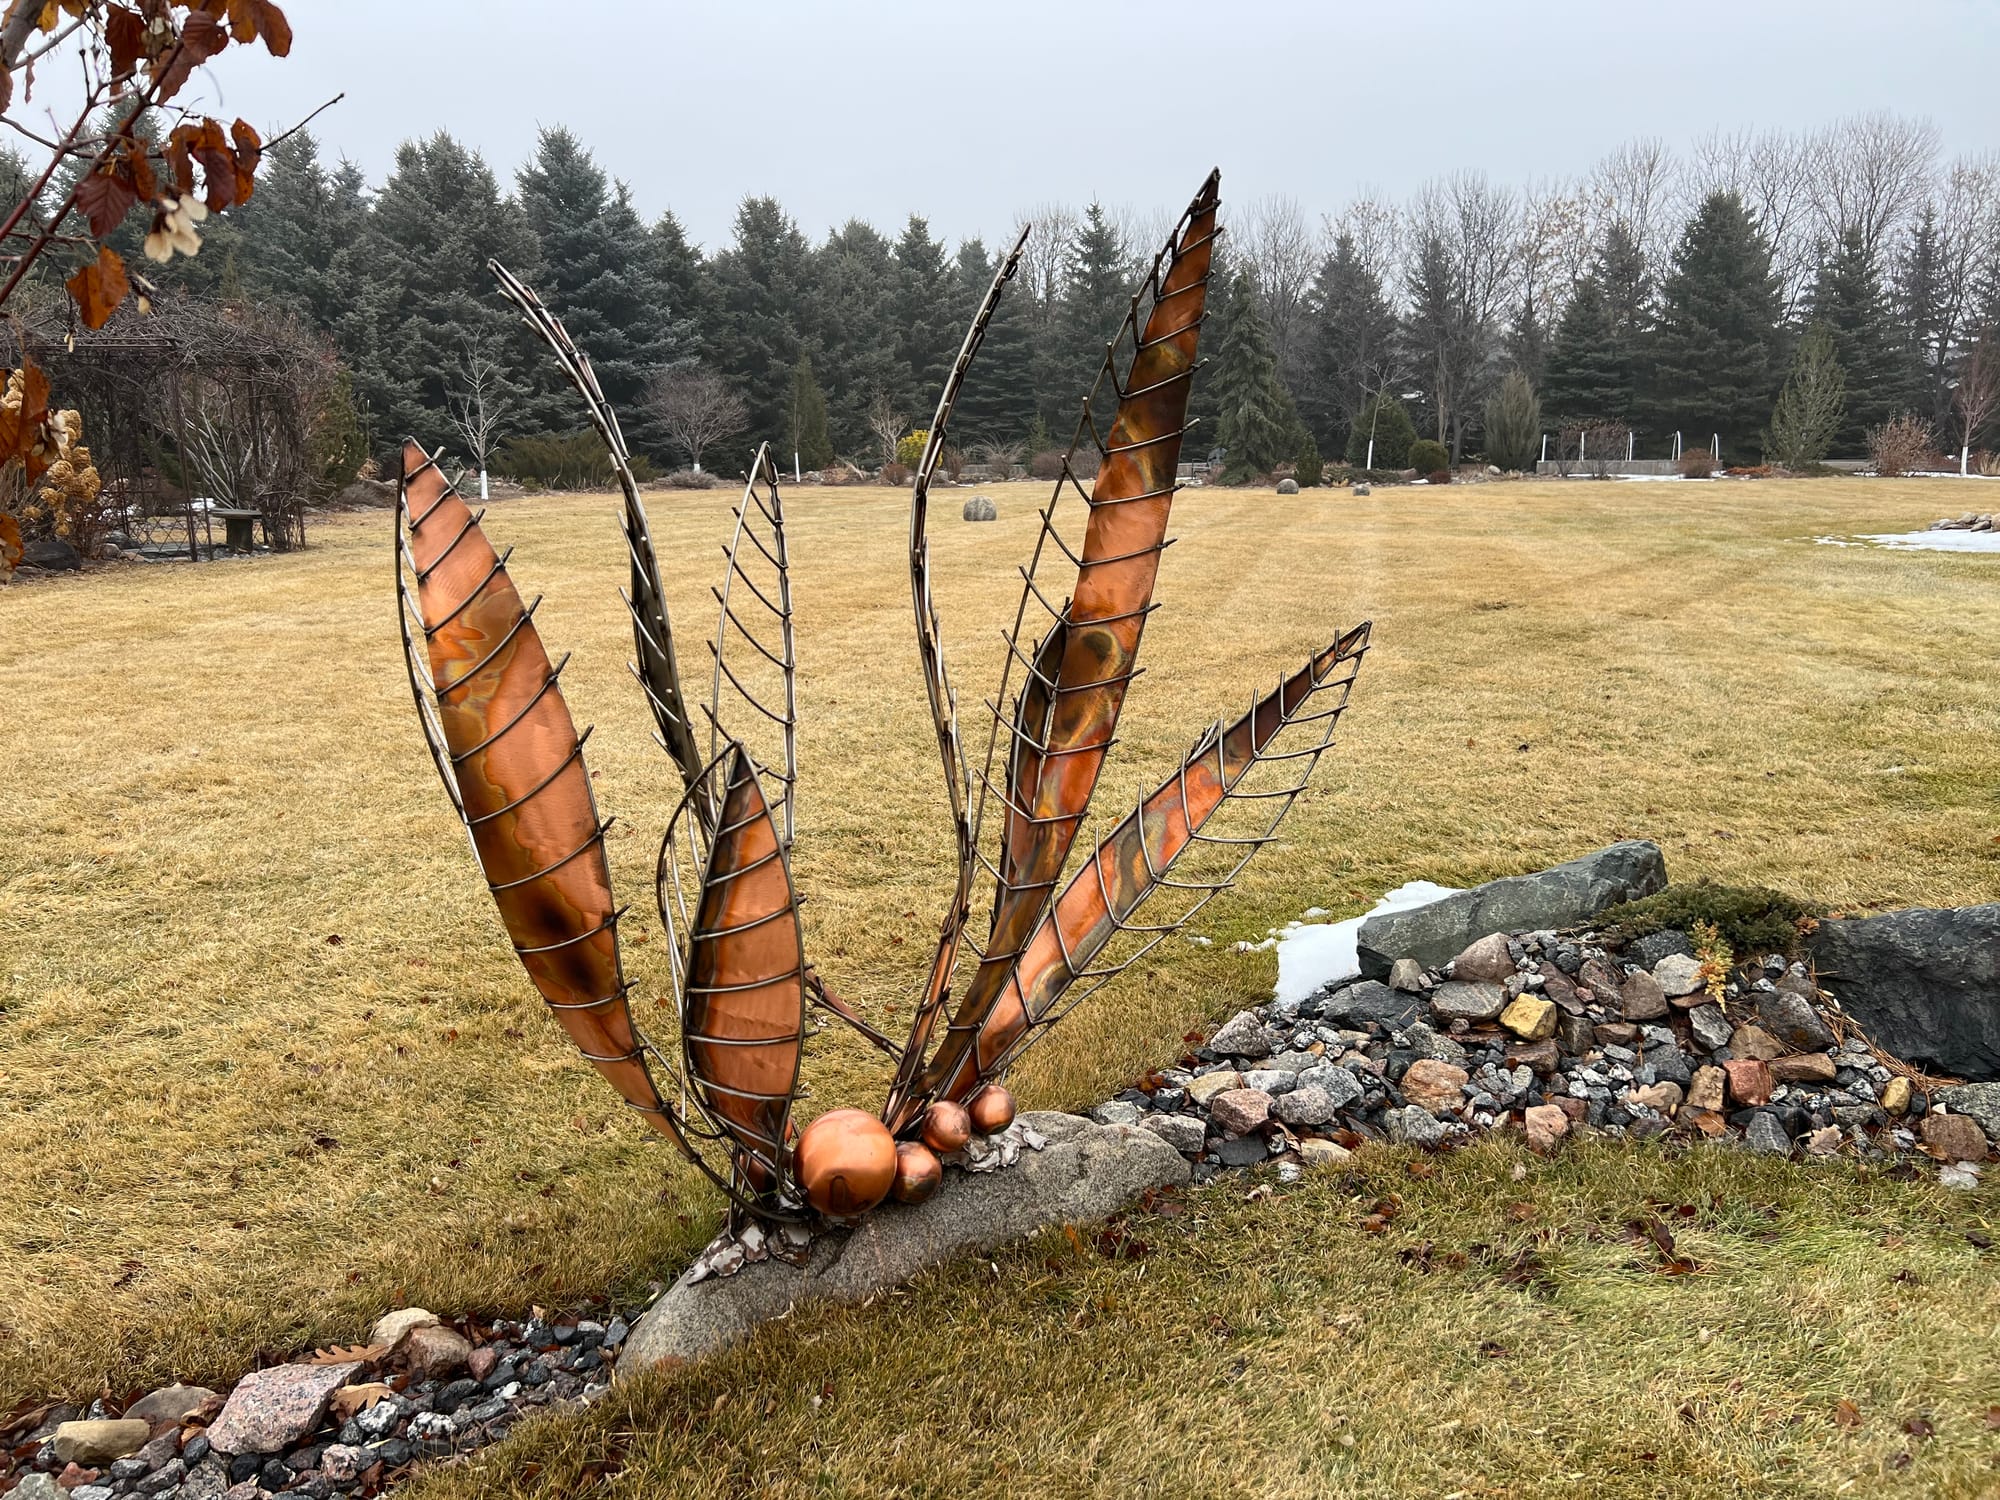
[(512, 762)]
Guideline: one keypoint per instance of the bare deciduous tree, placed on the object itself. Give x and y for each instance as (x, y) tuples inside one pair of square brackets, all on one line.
[(1278, 244), (1977, 394), (1870, 172), (1042, 261), (1641, 186), (479, 406), (1772, 173), (1467, 271), (1377, 228), (697, 407), (888, 422)]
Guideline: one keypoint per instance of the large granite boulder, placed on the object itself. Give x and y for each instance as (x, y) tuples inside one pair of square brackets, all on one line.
[(1924, 983), (1565, 896), (1085, 1171)]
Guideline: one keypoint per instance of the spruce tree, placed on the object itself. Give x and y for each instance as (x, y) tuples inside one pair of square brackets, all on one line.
[(1812, 405), (759, 321), (678, 267), (855, 271), (1713, 356), (1921, 308), (1433, 337), (810, 440), (421, 293), (1874, 355), (997, 404), (928, 326), (1097, 293), (599, 273), (1514, 424), (1350, 349), (1255, 421), (1589, 377)]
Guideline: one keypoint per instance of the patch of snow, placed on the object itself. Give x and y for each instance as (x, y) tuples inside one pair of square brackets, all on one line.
[(1921, 541), (1313, 955)]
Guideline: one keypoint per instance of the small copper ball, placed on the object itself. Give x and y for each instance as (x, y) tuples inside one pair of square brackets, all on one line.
[(992, 1110), (846, 1162), (918, 1172), (947, 1127)]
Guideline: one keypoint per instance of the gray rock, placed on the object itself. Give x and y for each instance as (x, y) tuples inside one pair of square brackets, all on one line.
[(1339, 1084), (53, 553), (1640, 998), (93, 1492), (1678, 974), (1288, 486), (980, 508), (1406, 974), (366, 494), (1116, 1112), (1413, 1125), (1183, 1132), (1978, 1101), (1654, 946), (1243, 1035), (1361, 488), (1468, 1002), (1239, 1111), (1488, 958), (1766, 1135), (271, 1409), (1308, 1104), (1565, 896), (1367, 1001), (205, 1481), (1924, 983), (1085, 1172), (39, 1487), (1427, 1043), (1710, 1026), (1273, 1081), (1793, 1020), (173, 1403)]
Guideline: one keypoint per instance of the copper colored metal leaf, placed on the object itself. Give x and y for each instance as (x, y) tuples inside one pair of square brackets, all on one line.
[(99, 287)]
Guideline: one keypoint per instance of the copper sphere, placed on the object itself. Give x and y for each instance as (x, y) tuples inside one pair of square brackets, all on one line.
[(918, 1172), (947, 1127), (846, 1161), (992, 1110)]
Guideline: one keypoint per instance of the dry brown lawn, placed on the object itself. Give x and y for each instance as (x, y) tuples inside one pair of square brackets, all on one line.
[(266, 1065)]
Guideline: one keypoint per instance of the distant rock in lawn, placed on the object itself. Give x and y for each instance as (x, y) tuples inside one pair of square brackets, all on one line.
[(53, 554), (980, 508), (1288, 486), (365, 494), (1565, 896), (1361, 488), (1924, 983), (1084, 1172)]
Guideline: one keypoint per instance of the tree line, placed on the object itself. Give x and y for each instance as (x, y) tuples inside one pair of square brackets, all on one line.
[(1661, 293)]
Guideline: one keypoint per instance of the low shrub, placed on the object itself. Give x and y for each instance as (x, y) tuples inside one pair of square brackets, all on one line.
[(1750, 471), (1986, 464), (1347, 474), (1750, 919), (1438, 476), (1695, 463), (953, 459), (896, 474), (1308, 468), (1046, 464), (1903, 445), (691, 479), (564, 461), (910, 447), (1427, 456)]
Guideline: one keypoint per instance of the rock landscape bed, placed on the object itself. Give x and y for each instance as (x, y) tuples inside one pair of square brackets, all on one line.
[(1548, 1030)]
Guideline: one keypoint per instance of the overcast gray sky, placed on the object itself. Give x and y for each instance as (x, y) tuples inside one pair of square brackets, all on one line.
[(969, 113)]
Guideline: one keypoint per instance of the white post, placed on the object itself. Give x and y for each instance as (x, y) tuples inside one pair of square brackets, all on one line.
[(697, 466), (797, 478), (1715, 446), (1677, 444), (1579, 446), (482, 487), (1371, 454), (1628, 445), (1545, 447), (1964, 451)]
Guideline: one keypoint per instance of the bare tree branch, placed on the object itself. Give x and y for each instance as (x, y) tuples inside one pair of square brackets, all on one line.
[(697, 408)]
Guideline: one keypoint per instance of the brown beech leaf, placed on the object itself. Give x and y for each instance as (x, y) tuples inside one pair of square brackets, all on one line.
[(1846, 1413), (201, 38), (139, 162), (106, 196), (99, 288), (125, 35), (350, 1401), (270, 24), (249, 151), (218, 165)]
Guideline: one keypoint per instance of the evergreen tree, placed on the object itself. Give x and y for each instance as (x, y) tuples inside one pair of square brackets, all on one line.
[(1713, 355), (1097, 293), (599, 273), (998, 402), (855, 272), (292, 230), (1513, 424), (1382, 427), (925, 307), (1619, 268), (1811, 406), (1351, 339), (763, 292), (1255, 421), (1589, 376), (1871, 352), (677, 266), (1527, 346), (1921, 307), (809, 437), (421, 293)]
